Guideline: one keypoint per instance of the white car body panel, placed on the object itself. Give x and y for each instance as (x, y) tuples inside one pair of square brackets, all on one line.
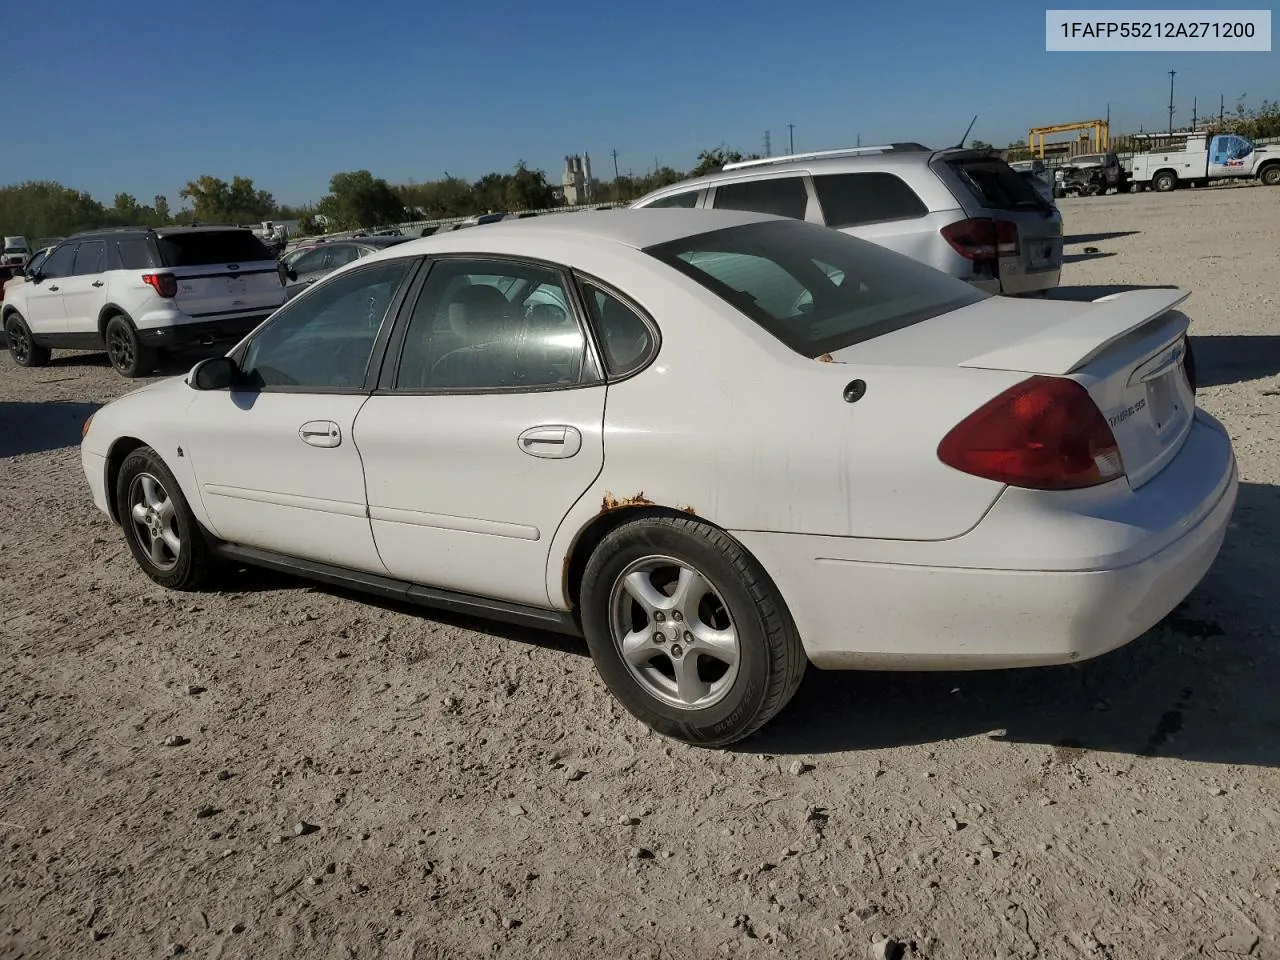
[(885, 556), (456, 503), (264, 486)]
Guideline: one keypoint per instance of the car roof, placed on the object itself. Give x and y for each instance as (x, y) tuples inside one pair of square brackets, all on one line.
[(376, 241), (889, 160), (632, 228)]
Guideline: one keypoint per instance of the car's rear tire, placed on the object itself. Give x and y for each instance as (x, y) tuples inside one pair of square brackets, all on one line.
[(1271, 175), (688, 631), (22, 347), (163, 534), (125, 351), (1164, 182)]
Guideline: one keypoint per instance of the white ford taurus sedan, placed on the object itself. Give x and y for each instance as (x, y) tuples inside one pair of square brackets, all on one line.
[(719, 445)]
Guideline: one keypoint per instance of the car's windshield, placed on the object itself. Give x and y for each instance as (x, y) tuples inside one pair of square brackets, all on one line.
[(815, 289)]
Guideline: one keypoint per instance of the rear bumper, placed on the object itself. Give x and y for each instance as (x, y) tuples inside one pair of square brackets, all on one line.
[(1041, 580), (196, 333)]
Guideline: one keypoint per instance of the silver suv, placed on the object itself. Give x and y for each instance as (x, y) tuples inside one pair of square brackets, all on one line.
[(964, 212)]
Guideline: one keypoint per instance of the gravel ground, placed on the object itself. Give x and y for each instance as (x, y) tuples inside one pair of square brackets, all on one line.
[(355, 779)]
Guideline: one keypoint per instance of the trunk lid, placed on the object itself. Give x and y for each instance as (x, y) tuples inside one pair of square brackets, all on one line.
[(1126, 349), (220, 272)]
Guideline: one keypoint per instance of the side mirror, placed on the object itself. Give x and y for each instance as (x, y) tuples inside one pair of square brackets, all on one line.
[(291, 273), (215, 373), (35, 277)]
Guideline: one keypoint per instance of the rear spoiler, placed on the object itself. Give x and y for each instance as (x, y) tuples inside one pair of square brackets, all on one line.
[(1068, 346)]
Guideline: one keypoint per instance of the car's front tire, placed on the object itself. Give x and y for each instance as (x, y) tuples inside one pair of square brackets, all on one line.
[(126, 352), (163, 534), (688, 631), (22, 347)]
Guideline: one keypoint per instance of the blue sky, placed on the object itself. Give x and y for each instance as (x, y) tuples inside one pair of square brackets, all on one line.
[(142, 97)]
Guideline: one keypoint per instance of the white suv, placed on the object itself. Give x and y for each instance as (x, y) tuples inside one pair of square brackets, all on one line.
[(137, 292), (964, 212)]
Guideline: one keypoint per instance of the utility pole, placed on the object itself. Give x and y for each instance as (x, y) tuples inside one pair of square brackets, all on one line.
[(859, 140), (1195, 102), (791, 136), (614, 153), (1172, 73), (768, 148), (1221, 100)]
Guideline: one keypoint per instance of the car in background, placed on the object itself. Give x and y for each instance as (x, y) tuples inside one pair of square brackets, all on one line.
[(964, 212), (719, 445), (138, 292), (10, 272), (1113, 172), (16, 250), (320, 261)]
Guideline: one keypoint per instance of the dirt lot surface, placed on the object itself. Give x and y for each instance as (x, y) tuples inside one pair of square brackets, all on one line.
[(361, 780)]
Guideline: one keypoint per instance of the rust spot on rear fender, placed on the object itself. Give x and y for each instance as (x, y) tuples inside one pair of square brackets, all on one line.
[(610, 502), (826, 358)]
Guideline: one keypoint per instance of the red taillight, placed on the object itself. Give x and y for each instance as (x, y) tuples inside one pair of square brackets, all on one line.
[(164, 284), (982, 239), (1045, 433)]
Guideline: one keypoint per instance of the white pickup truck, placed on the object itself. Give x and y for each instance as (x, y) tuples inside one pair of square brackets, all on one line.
[(1204, 158)]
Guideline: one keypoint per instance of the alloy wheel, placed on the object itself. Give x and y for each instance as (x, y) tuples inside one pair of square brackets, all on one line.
[(155, 520), (674, 632)]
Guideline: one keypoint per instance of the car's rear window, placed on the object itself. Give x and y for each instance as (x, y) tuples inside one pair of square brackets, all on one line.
[(209, 247), (997, 185), (815, 289)]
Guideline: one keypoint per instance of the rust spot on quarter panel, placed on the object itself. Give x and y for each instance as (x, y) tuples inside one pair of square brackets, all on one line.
[(610, 502), (826, 358)]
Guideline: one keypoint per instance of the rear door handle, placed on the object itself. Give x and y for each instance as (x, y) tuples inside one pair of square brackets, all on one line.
[(551, 441), (97, 283), (320, 433)]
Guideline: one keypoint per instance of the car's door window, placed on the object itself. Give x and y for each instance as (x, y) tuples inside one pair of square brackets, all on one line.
[(89, 256), (783, 196), (626, 340), (60, 263), (325, 339), (687, 199), (310, 262), (485, 325), (342, 254)]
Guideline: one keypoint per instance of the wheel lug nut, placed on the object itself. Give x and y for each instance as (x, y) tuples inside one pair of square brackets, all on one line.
[(688, 637), (659, 638), (676, 650), (660, 616), (677, 616)]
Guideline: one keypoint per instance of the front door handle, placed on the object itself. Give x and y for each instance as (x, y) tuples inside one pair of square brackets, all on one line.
[(320, 433), (552, 441), (97, 283), (53, 288)]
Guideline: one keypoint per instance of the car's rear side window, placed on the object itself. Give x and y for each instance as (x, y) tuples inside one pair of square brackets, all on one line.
[(136, 255), (850, 199), (815, 289), (209, 247), (996, 185), (781, 196)]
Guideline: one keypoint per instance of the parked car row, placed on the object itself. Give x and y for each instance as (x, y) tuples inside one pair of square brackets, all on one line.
[(719, 445)]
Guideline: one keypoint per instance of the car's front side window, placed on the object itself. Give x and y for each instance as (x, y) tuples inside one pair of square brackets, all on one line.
[(483, 325), (323, 341), (60, 263), (687, 199), (310, 262)]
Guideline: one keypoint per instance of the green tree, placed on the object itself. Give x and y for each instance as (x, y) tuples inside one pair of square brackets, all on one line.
[(709, 161), (359, 199), (213, 199), (528, 189), (45, 208), (160, 203)]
